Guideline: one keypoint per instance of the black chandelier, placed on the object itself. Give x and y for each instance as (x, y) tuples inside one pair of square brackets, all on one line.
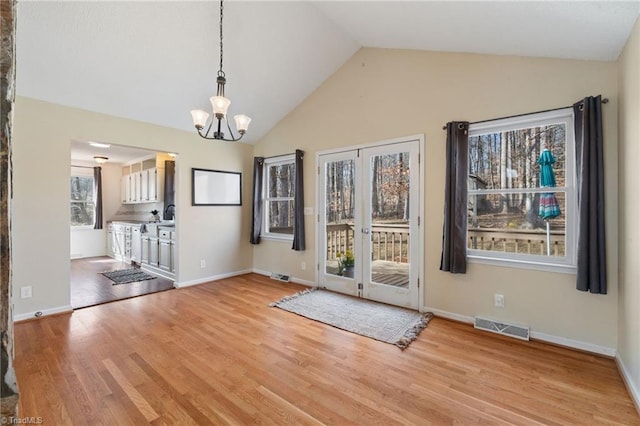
[(220, 105)]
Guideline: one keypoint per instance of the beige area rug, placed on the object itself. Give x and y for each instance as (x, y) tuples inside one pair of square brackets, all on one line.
[(386, 323)]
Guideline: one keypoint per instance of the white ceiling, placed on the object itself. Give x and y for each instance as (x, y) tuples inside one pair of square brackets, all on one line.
[(154, 61)]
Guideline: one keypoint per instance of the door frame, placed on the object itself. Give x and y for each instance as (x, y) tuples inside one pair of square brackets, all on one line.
[(421, 195)]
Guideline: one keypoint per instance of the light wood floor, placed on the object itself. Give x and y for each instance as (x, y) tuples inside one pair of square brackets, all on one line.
[(217, 354)]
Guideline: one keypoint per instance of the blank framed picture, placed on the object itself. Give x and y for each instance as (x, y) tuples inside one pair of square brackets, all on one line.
[(215, 188)]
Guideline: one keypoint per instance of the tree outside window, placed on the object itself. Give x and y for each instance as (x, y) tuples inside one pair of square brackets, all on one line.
[(82, 201), (505, 189), (280, 178)]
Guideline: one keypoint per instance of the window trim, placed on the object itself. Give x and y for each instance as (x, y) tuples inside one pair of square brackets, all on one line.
[(269, 162), (567, 263), (84, 172)]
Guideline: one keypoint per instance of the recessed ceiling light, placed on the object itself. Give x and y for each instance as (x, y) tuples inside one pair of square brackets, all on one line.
[(100, 145)]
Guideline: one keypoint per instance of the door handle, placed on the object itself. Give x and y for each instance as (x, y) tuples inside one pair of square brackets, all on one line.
[(365, 230)]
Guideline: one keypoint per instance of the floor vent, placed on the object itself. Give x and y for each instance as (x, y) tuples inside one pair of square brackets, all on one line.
[(517, 331), (280, 277)]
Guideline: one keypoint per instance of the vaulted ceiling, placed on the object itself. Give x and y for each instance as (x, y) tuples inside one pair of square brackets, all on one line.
[(155, 61)]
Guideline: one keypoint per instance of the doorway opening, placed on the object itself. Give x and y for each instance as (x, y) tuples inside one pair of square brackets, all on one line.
[(369, 231), (138, 193)]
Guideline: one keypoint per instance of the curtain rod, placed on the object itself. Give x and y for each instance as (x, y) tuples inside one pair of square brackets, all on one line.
[(281, 155), (604, 101)]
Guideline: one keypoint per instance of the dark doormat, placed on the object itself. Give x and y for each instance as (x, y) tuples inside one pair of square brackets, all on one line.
[(125, 276)]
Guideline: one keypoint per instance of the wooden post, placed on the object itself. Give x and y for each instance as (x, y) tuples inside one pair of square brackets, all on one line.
[(9, 387)]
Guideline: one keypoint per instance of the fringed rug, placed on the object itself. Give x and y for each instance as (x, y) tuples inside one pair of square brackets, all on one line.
[(125, 276), (389, 324)]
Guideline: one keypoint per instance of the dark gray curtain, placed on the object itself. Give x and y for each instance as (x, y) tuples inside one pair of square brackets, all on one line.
[(97, 188), (454, 233), (592, 273), (298, 206), (169, 212), (256, 223)]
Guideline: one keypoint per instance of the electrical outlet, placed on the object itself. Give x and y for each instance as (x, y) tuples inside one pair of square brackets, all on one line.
[(303, 265), (498, 300), (203, 263), (26, 292)]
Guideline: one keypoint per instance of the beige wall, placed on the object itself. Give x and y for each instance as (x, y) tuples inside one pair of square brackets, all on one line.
[(383, 94), (40, 208), (629, 296)]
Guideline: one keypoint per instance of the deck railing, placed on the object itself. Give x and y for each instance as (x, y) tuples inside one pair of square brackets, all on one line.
[(391, 242), (516, 241)]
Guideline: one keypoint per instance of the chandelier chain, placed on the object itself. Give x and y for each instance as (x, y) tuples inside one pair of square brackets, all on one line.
[(220, 72)]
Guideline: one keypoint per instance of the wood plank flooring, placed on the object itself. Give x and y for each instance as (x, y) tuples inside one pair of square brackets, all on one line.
[(216, 354), (89, 287)]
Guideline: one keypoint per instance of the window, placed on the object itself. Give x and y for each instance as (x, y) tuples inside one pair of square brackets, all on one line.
[(279, 188), (82, 199), (521, 198)]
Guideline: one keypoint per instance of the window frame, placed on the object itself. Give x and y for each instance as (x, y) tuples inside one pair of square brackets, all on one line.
[(271, 162), (83, 172), (566, 263)]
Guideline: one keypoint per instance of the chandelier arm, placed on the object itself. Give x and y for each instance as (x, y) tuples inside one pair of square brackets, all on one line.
[(230, 131), (208, 128)]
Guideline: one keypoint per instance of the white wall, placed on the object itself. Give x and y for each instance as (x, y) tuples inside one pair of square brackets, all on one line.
[(384, 94), (41, 163), (629, 296)]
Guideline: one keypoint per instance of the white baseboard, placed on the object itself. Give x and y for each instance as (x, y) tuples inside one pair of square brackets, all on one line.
[(634, 391), (562, 341), (574, 344), (43, 313), (449, 315), (293, 279), (212, 278)]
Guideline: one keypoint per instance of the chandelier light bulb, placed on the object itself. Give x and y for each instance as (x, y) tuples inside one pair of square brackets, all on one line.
[(199, 118), (220, 105), (242, 122)]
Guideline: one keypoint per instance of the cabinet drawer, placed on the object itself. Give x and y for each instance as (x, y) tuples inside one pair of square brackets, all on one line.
[(165, 234)]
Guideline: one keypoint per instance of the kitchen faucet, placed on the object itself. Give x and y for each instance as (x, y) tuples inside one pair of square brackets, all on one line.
[(166, 209)]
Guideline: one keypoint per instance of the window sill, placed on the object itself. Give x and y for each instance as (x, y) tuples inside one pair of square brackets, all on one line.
[(521, 264), (283, 238)]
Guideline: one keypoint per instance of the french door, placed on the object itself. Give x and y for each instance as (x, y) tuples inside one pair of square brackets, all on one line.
[(368, 234)]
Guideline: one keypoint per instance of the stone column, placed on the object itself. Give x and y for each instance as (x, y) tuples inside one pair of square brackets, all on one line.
[(9, 388)]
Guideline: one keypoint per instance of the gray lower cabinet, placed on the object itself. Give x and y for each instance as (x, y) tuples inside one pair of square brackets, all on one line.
[(164, 257), (153, 252)]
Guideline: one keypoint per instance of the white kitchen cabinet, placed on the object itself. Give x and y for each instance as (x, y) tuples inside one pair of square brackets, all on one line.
[(145, 186), (136, 244), (116, 242), (153, 184), (144, 249), (174, 255), (126, 189), (136, 188)]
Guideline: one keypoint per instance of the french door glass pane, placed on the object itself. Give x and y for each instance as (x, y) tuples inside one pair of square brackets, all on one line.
[(389, 233), (340, 198)]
